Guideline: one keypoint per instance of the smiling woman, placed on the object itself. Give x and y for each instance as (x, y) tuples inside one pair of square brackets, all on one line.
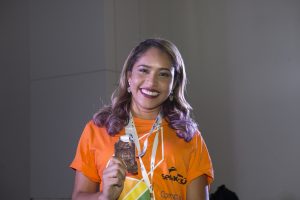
[(150, 108), (150, 82)]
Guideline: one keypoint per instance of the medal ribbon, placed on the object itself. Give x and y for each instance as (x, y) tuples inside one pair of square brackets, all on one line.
[(130, 130)]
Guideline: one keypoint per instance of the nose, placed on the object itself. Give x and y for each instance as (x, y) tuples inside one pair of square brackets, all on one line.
[(152, 79)]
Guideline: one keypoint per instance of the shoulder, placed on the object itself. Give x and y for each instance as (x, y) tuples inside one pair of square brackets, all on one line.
[(91, 128), (92, 131), (197, 142)]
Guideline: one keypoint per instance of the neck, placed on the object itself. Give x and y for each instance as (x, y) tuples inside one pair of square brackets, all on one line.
[(144, 114)]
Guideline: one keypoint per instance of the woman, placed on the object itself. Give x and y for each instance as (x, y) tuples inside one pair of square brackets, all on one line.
[(149, 106)]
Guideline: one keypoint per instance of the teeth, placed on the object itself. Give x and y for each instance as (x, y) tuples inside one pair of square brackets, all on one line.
[(149, 92)]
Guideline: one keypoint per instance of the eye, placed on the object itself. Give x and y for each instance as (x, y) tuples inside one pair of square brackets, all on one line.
[(143, 70), (165, 74)]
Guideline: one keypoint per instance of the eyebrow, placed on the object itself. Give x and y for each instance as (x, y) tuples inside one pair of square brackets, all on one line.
[(162, 68)]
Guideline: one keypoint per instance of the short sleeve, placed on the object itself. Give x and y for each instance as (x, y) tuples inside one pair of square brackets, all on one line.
[(84, 160), (200, 162)]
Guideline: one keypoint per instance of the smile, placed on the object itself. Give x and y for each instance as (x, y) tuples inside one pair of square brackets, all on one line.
[(149, 93)]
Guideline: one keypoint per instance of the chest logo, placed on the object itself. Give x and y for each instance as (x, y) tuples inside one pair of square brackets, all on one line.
[(174, 176)]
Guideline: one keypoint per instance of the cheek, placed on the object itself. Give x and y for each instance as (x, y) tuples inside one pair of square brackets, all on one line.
[(135, 81), (167, 86)]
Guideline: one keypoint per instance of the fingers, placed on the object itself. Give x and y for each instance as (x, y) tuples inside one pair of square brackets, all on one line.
[(113, 178), (115, 160), (115, 172), (117, 164)]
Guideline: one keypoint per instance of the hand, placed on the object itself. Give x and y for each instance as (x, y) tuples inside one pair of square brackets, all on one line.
[(113, 179)]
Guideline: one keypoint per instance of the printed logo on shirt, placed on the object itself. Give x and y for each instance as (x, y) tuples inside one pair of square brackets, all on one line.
[(174, 176), (171, 196)]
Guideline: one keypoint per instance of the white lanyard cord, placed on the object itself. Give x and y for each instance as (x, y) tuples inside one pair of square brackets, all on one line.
[(157, 164), (131, 131)]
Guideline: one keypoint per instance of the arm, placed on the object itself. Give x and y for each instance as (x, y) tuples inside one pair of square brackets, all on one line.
[(198, 189), (84, 188), (113, 182)]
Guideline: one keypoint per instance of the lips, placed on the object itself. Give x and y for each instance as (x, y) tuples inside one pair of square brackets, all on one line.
[(149, 92)]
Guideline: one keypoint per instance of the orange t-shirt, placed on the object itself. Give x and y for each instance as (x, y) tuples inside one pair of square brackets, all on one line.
[(177, 162)]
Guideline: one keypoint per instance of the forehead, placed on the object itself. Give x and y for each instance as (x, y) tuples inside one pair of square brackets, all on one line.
[(154, 57)]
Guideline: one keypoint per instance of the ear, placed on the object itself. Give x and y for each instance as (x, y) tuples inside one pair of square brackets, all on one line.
[(128, 76)]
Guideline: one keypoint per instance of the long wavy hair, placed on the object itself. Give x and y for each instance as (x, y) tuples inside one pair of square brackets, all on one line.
[(115, 117)]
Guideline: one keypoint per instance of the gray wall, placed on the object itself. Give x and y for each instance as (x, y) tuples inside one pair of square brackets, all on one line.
[(14, 100), (68, 78), (242, 61), (244, 77)]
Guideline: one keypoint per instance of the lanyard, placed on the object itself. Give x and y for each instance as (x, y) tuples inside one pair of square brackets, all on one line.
[(130, 130)]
